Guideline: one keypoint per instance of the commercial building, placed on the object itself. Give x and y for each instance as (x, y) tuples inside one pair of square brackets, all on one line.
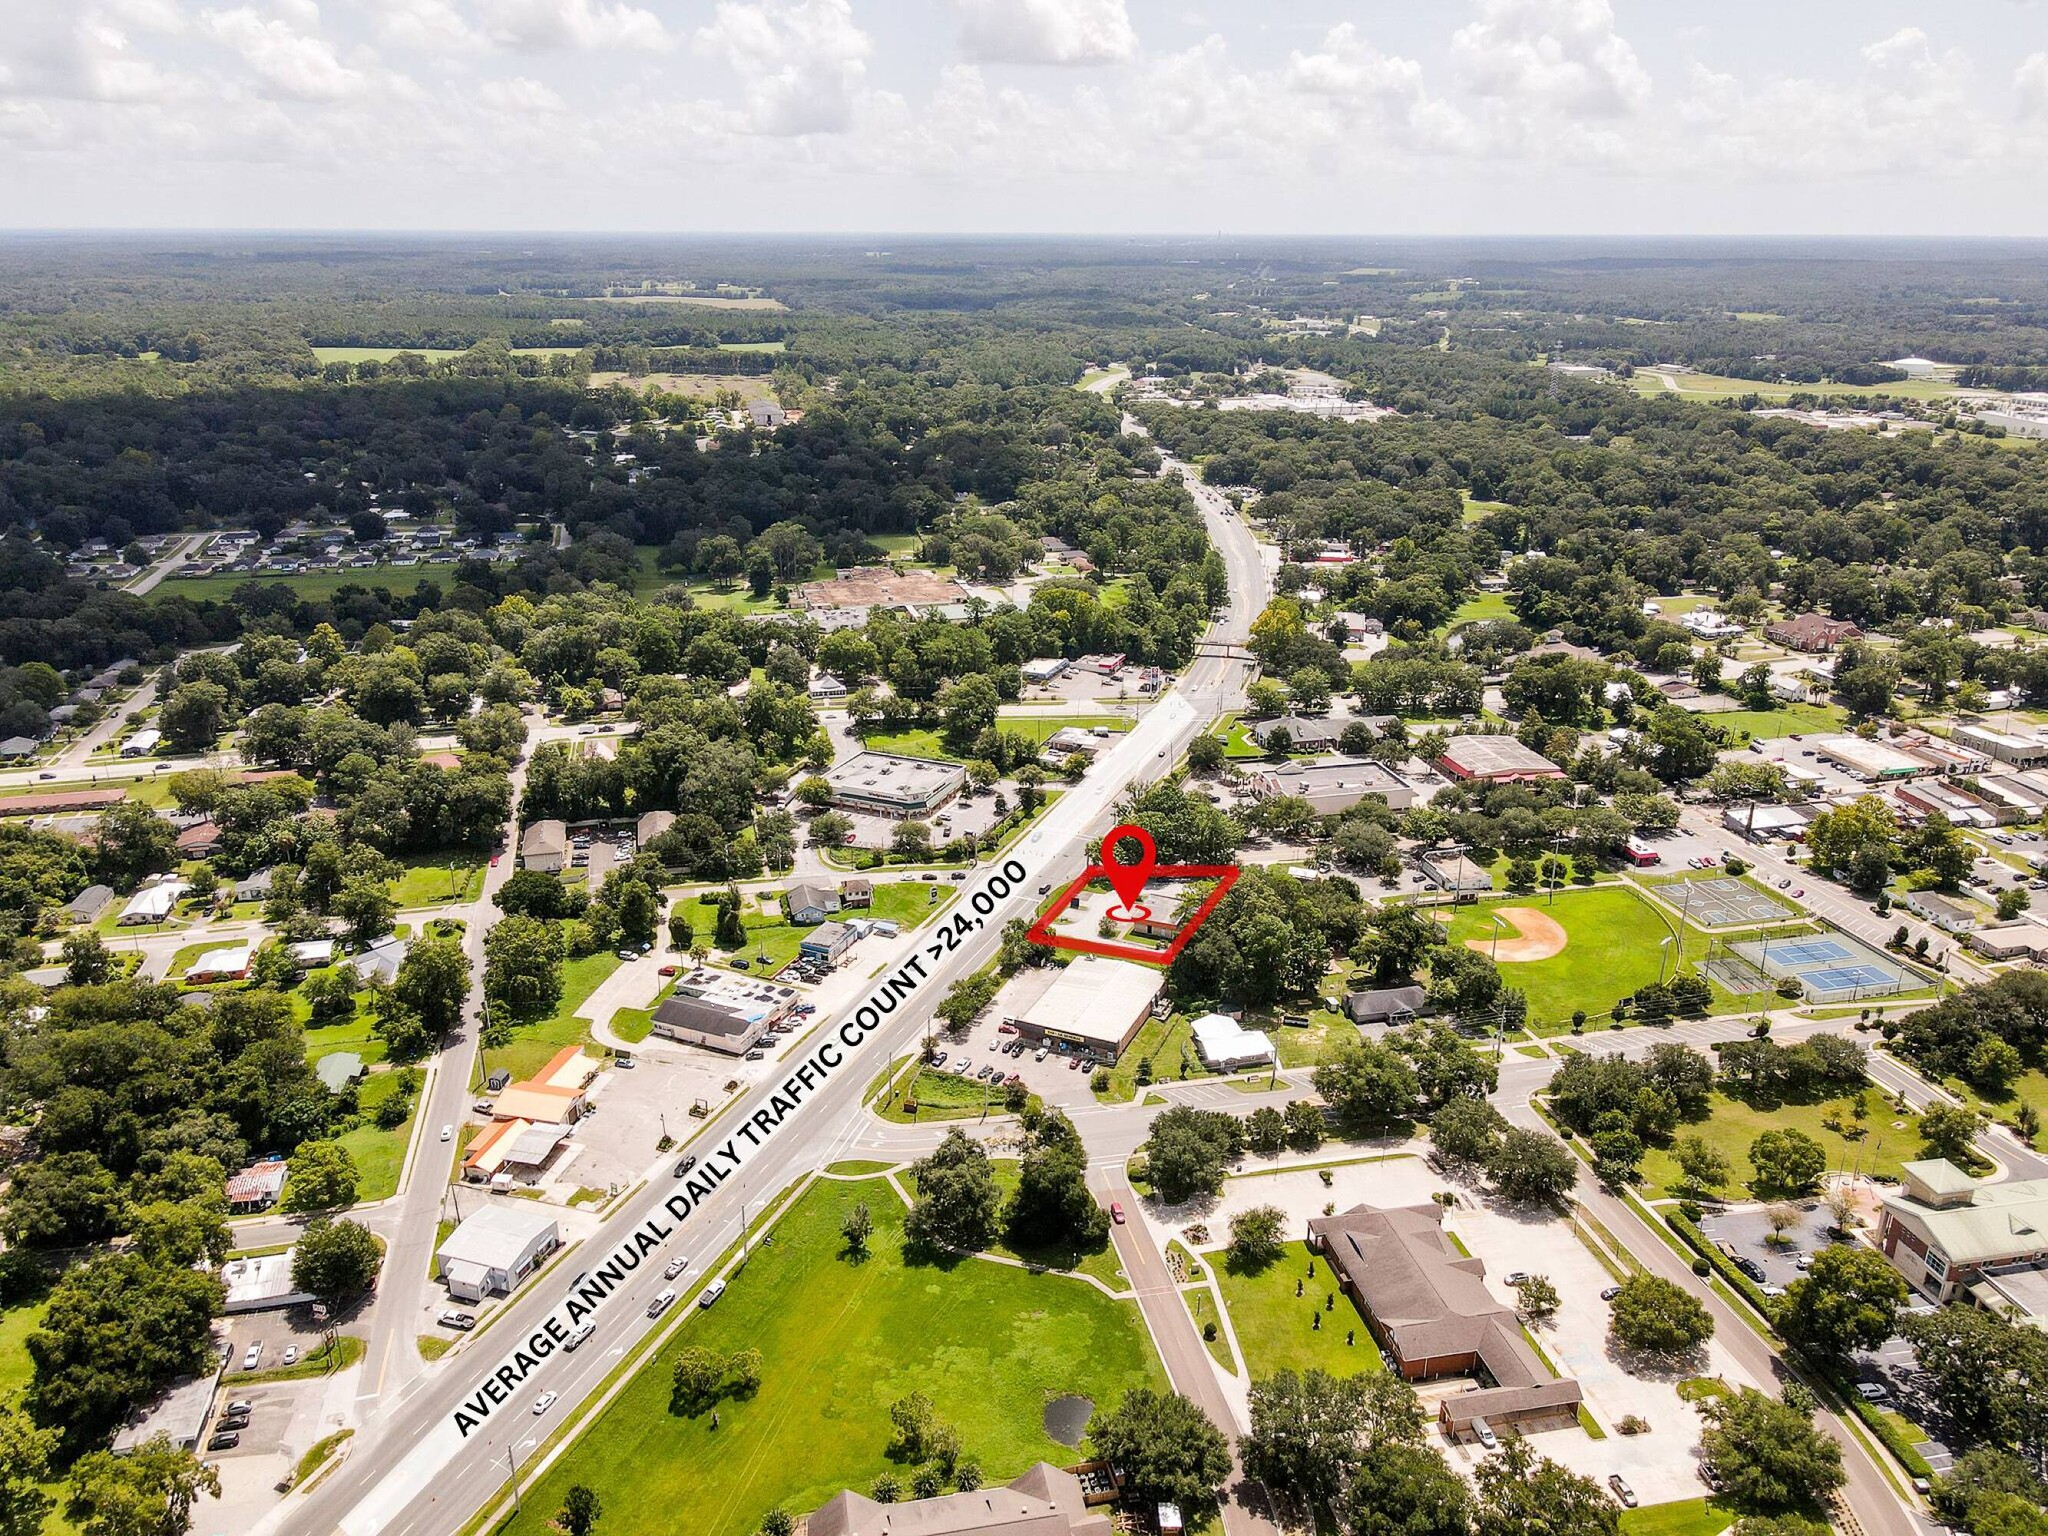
[(2019, 751), (1044, 1501), (494, 1249), (256, 1187), (544, 846), (722, 1013), (1811, 632), (1334, 784), (1871, 761), (1945, 755), (1709, 625), (261, 1284), (2013, 796), (1385, 1005), (652, 825), (555, 1095), (142, 743), (178, 1416), (1225, 1045), (61, 802), (1931, 797), (900, 788), (806, 903), (827, 941), (2023, 940), (1044, 669), (1496, 759), (827, 688), (1304, 733), (879, 586), (1095, 1004), (1762, 823), (1428, 1307), (509, 1149), (1946, 1233), (1068, 740)]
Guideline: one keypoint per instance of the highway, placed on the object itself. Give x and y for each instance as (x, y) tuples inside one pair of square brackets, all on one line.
[(409, 1470)]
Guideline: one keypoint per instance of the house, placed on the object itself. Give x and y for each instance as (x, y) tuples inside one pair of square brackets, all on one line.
[(1709, 625), (380, 962), (1386, 1005), (1496, 759), (766, 414), (1811, 632), (1095, 1005), (806, 903), (1225, 1045), (494, 1249), (1430, 1311), (142, 743), (18, 747), (544, 846), (1304, 733), (308, 954), (228, 963), (1332, 785), (255, 887), (153, 903), (1044, 1501), (200, 840), (1952, 1237), (827, 941), (89, 905), (256, 1187), (337, 1069), (651, 825), (1945, 912), (858, 891), (827, 687)]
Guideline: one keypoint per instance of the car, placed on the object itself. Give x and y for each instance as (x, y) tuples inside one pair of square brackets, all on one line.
[(1785, 884), (670, 970), (711, 1293), (225, 1441), (579, 1338), (291, 1354), (1006, 1029), (46, 775), (251, 1356), (995, 1045), (661, 1303), (461, 1322), (1039, 1055), (1483, 1433), (674, 1267), (927, 877), (1622, 1491), (1160, 753), (982, 1075), (447, 1133), (938, 1058), (1801, 891), (1804, 1261), (1773, 1291), (1872, 1391), (627, 954), (962, 1067), (241, 1405), (1073, 1063), (685, 1163), (1610, 1293), (1751, 1268), (1516, 1277), (742, 963), (1116, 1212), (544, 1402)]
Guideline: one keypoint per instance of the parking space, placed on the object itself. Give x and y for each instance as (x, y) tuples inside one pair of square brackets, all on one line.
[(970, 815), (1896, 1370), (1747, 1234), (283, 1421)]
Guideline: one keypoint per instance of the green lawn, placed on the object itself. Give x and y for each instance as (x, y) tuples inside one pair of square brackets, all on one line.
[(16, 1324), (753, 346), (942, 1095), (384, 354), (1478, 607), (532, 1044), (1038, 727), (379, 1154), (396, 579), (1165, 1042), (1714, 386), (1786, 720), (914, 741), (1612, 949), (438, 882), (1732, 1125), (355, 1035), (1276, 1329), (1687, 1517), (1101, 1263), (840, 1340)]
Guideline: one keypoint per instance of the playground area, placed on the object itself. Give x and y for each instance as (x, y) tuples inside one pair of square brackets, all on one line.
[(1722, 902), (1829, 967)]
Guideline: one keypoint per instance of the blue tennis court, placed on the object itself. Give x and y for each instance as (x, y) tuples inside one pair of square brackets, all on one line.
[(1805, 952), (1829, 967)]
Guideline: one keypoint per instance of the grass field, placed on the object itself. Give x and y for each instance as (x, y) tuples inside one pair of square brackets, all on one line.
[(1612, 950), (840, 1340), (753, 346), (1714, 386), (1732, 1125), (398, 580), (1786, 720), (437, 882), (532, 1044), (16, 1324), (379, 1154), (1276, 1329), (1480, 606), (1687, 1517), (925, 741)]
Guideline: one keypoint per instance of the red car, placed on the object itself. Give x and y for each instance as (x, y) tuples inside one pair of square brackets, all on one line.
[(1116, 1212), (670, 970), (494, 861)]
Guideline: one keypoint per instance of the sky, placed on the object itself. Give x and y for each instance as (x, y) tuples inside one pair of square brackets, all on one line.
[(1277, 117)]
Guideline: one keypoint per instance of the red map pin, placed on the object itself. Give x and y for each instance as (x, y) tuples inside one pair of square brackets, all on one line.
[(1129, 879)]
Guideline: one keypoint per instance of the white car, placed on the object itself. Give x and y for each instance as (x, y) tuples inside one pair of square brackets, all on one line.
[(291, 1354), (675, 1267), (447, 1133), (544, 1402), (711, 1293), (576, 1340), (251, 1356), (661, 1303), (1872, 1391)]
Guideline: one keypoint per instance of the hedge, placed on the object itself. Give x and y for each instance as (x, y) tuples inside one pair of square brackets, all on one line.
[(1723, 1265)]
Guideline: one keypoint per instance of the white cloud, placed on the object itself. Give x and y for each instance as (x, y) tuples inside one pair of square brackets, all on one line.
[(79, 56), (520, 96), (1552, 56), (422, 26), (799, 64), (1046, 31), (578, 24), (292, 63), (2030, 81)]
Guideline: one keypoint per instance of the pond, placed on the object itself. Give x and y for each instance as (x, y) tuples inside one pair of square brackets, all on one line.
[(1066, 1419)]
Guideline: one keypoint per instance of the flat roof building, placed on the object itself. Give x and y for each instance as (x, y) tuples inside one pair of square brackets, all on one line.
[(901, 788), (1871, 761), (1931, 797), (179, 1416), (262, 1284), (494, 1249), (2019, 751), (1762, 823), (722, 1013), (1095, 1003), (1500, 759), (1225, 1045), (652, 825), (1428, 1307), (2023, 940), (1332, 785)]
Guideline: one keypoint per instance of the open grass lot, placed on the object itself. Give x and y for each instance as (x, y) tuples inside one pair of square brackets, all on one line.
[(1162, 1042), (1480, 606), (16, 1324), (438, 882), (1275, 1328), (149, 788), (379, 1154), (753, 346), (1731, 1125), (1787, 720), (1714, 386), (397, 579), (941, 1095), (840, 1340), (1687, 1517), (1612, 950), (355, 1035), (532, 1044)]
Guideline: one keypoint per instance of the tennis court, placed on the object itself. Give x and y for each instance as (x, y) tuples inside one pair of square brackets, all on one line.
[(1830, 967), (1723, 902)]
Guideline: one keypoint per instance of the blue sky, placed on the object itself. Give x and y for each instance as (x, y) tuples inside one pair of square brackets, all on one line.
[(1281, 117)]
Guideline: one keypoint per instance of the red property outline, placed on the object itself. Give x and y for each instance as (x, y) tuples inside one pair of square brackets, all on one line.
[(1040, 932)]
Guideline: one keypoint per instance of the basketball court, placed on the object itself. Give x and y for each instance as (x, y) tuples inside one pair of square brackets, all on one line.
[(1723, 902)]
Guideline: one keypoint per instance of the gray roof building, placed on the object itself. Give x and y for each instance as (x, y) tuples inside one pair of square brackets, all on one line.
[(1045, 1501)]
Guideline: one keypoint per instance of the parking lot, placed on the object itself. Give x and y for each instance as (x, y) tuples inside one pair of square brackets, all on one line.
[(1747, 1232), (970, 815), (1896, 1368)]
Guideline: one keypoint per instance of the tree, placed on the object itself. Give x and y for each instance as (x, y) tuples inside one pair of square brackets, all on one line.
[(1950, 1131), (1052, 1204), (1988, 1374), (1767, 1454), (911, 840), (1786, 1162), (1168, 1450), (1657, 1315), (1188, 1150), (433, 981), (367, 907), (134, 843), (580, 1510), (62, 1199), (523, 965), (958, 1205), (1467, 1131), (1256, 1237), (25, 1453), (1397, 941), (1309, 1430), (1407, 1490), (1367, 1084), (335, 1261), (322, 1177), (1848, 1300), (87, 960), (1702, 1169), (858, 1228), (194, 717), (1533, 1167), (181, 1232), (1523, 1494), (1537, 1298), (695, 1380), (148, 1492)]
